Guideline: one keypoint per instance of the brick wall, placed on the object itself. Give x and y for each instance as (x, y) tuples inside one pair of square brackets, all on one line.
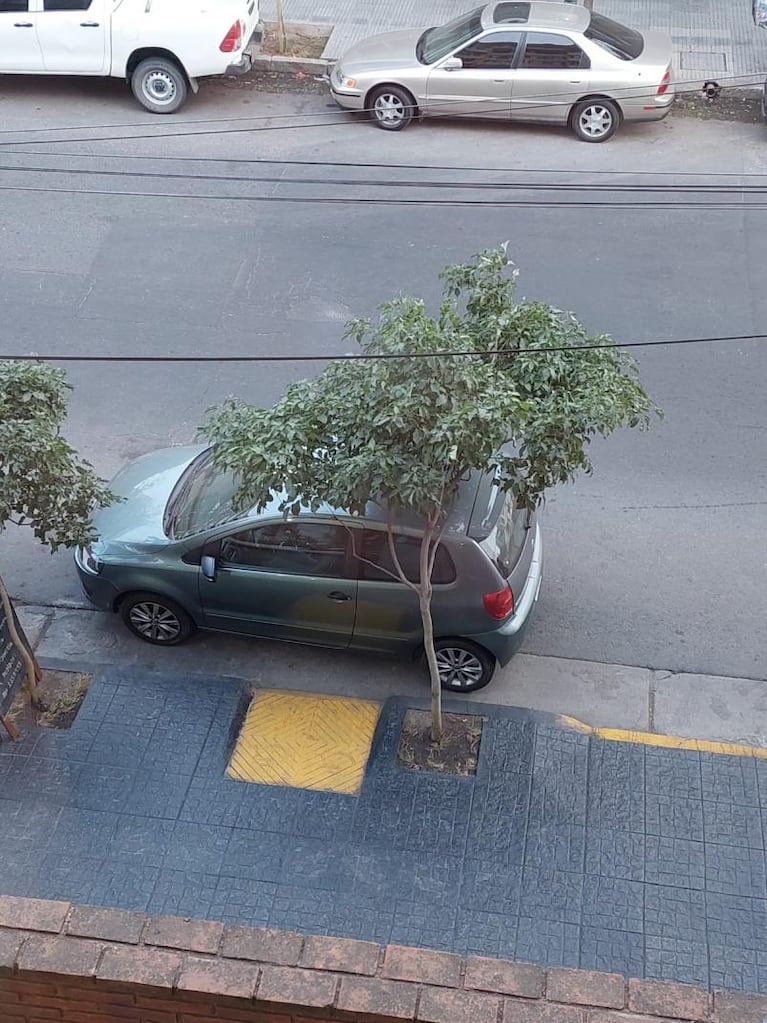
[(82, 964)]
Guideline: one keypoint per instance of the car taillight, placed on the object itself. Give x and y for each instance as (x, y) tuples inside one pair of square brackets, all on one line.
[(233, 39), (499, 604), (665, 82)]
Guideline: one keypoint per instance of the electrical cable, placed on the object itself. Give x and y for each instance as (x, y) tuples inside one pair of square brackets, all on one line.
[(372, 201), (372, 183), (546, 99), (363, 357)]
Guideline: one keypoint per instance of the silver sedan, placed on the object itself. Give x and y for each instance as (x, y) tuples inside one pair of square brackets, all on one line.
[(557, 63)]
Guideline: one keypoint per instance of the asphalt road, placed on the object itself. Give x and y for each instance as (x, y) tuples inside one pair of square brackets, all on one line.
[(657, 560)]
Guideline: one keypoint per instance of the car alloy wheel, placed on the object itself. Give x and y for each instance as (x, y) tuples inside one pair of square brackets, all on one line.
[(155, 622), (392, 108), (459, 668), (595, 120)]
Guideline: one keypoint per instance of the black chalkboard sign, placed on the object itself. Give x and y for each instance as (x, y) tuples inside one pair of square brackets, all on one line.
[(12, 667)]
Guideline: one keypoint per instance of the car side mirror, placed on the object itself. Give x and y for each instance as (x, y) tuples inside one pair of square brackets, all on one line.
[(452, 64), (208, 566)]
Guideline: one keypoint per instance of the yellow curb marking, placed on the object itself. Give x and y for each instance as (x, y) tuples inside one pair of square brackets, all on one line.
[(305, 741), (732, 749)]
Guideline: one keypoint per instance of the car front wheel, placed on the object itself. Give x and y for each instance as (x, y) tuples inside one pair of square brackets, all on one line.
[(392, 108), (159, 85), (463, 666), (595, 120), (156, 619)]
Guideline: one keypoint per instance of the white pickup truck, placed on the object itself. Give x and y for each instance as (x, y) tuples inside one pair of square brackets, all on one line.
[(160, 47)]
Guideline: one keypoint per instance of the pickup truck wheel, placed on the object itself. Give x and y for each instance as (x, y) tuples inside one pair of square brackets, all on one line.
[(159, 85)]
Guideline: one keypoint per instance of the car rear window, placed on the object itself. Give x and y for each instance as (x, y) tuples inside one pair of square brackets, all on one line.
[(619, 40), (504, 544)]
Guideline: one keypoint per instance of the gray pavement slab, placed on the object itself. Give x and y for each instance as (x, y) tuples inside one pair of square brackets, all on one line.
[(699, 705), (565, 849)]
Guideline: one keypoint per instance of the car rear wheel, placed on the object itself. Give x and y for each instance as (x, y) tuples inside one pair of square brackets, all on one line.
[(392, 108), (156, 619), (159, 85), (463, 666), (595, 120)]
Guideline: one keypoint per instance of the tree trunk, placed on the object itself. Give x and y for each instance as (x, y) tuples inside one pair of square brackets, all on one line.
[(282, 39), (29, 661), (424, 601)]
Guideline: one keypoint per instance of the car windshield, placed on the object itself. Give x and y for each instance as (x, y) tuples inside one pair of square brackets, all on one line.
[(436, 43), (619, 40), (203, 497)]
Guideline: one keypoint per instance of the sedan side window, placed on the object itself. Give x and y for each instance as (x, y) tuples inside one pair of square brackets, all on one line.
[(295, 548), (13, 6), (492, 52), (379, 567), (545, 50), (66, 5)]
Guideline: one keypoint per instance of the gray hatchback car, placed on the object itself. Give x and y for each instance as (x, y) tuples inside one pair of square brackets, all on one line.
[(171, 559)]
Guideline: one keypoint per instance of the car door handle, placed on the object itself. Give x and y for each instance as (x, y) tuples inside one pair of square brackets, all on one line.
[(89, 24), (23, 24), (337, 595)]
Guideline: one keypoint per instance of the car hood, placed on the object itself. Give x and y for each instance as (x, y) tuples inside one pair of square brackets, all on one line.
[(389, 50), (144, 485)]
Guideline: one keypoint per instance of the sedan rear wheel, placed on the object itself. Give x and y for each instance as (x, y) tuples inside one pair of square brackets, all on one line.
[(156, 619), (463, 667), (392, 108), (595, 120)]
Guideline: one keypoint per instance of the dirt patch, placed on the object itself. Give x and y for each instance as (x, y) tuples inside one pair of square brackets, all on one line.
[(61, 693), (744, 105), (457, 753), (299, 40), (298, 82)]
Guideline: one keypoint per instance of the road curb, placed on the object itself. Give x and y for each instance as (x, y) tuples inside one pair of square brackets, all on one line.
[(290, 65), (732, 749)]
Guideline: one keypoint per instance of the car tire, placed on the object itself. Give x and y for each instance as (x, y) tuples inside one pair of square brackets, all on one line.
[(595, 120), (156, 619), (464, 666), (391, 107), (159, 85)]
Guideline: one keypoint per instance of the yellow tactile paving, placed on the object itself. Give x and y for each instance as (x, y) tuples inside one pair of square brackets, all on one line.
[(733, 749), (305, 741)]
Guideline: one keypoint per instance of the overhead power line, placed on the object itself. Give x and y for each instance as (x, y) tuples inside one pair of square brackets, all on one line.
[(672, 189), (372, 165), (494, 204), (681, 87), (363, 357)]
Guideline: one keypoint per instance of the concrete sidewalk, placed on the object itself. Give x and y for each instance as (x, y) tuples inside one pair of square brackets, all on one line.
[(714, 38), (719, 709)]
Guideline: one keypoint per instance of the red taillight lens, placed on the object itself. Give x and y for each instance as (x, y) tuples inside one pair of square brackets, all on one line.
[(665, 82), (499, 604), (233, 39)]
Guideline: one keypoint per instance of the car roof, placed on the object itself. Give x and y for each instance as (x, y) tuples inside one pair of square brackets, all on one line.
[(538, 14), (473, 513)]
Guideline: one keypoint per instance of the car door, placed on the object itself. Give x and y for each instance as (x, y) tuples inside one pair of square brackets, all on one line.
[(73, 36), (552, 74), (480, 86), (19, 46), (388, 614), (287, 579)]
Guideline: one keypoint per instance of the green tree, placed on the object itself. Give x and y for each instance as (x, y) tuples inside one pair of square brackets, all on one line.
[(43, 482), (404, 425)]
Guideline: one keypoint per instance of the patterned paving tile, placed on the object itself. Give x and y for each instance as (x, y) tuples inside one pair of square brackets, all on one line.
[(563, 850)]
